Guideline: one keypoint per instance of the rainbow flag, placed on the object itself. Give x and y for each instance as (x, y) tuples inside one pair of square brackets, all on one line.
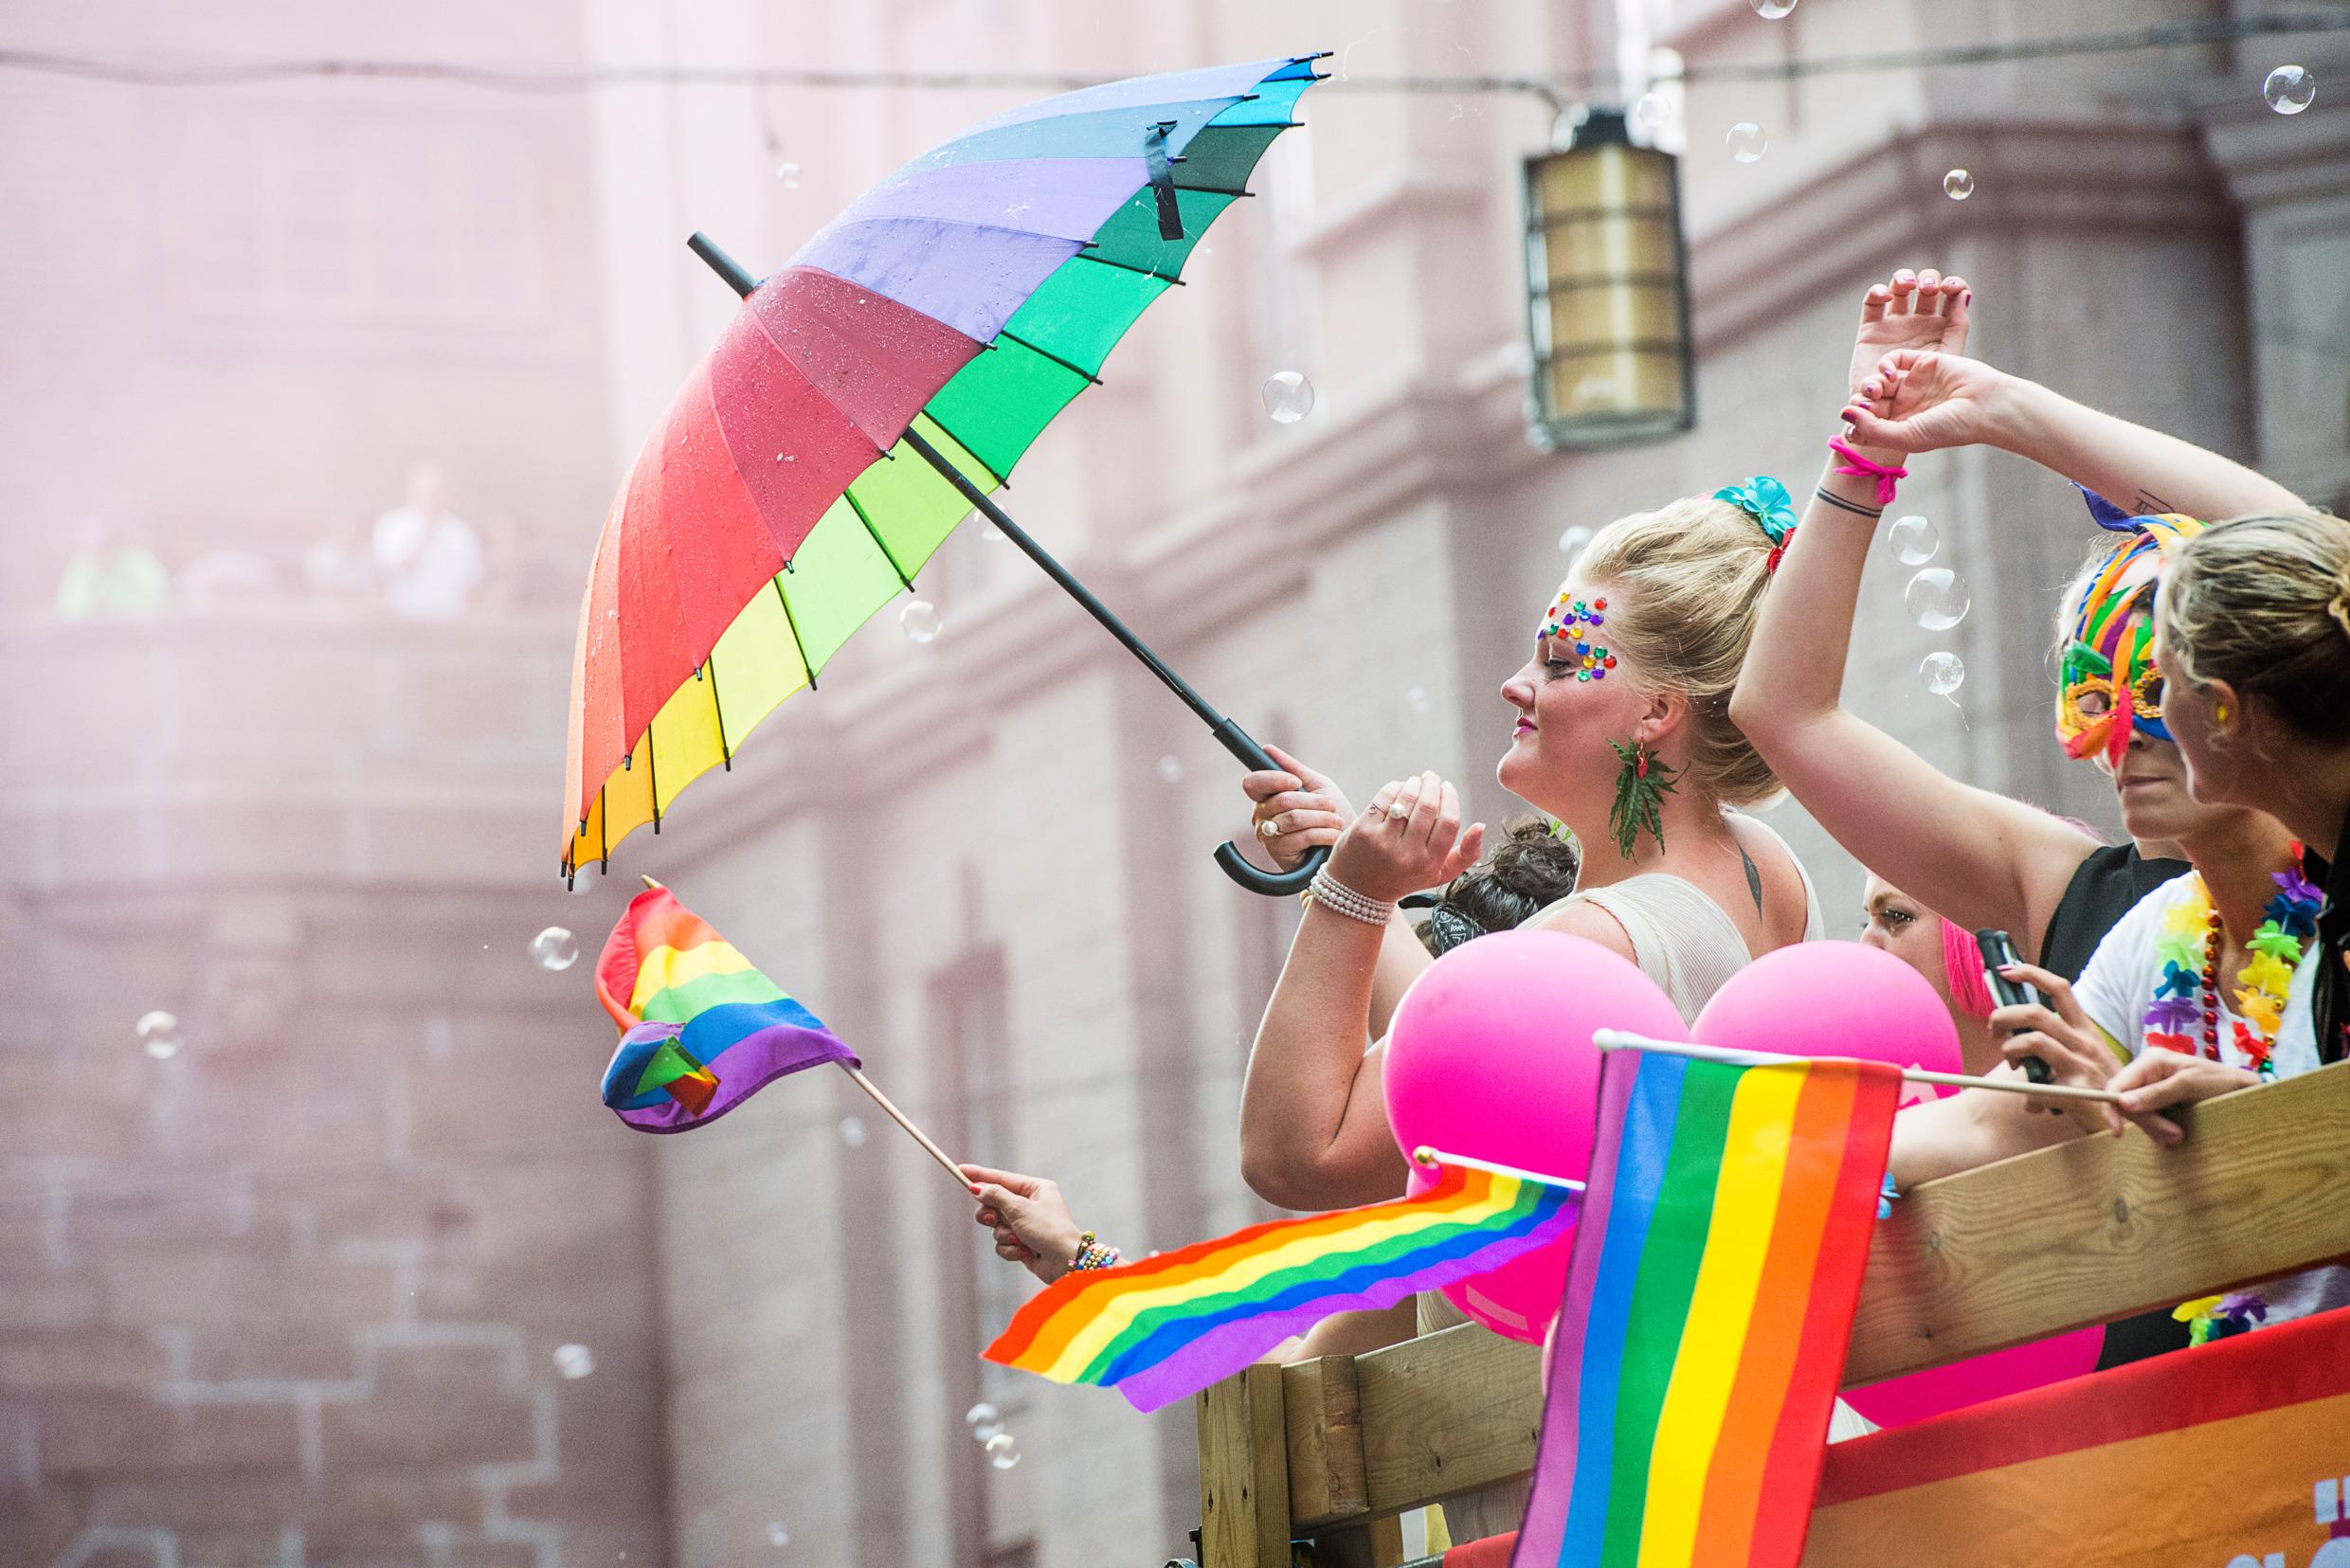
[(1708, 1299), (1165, 1326), (702, 1030)]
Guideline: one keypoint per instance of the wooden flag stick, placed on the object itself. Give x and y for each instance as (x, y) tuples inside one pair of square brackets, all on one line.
[(1426, 1156), (961, 1181), (1617, 1039), (914, 1133)]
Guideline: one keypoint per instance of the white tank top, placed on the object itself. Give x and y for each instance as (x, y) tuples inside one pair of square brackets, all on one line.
[(1680, 937)]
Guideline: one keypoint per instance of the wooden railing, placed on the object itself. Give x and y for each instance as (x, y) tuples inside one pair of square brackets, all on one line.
[(2085, 1233)]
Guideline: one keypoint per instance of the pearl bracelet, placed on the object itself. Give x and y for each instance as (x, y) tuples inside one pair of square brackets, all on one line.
[(1338, 898)]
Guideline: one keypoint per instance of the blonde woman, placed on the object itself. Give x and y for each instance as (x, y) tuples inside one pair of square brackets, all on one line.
[(1621, 732), (2253, 646)]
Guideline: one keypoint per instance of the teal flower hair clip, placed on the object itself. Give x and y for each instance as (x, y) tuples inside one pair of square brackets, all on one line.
[(1767, 502)]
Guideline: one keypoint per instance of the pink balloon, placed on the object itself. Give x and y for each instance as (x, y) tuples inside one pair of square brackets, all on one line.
[(1833, 998), (1970, 1382), (1490, 1055), (1839, 999)]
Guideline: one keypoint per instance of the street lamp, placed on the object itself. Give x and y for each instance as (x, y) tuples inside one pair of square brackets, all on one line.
[(1609, 290)]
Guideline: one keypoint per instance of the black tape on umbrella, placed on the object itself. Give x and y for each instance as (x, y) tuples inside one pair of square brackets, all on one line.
[(1163, 181)]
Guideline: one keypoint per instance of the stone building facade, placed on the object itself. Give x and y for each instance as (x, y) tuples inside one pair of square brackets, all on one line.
[(293, 1296)]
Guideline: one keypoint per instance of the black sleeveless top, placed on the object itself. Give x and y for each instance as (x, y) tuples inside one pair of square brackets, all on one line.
[(2102, 889)]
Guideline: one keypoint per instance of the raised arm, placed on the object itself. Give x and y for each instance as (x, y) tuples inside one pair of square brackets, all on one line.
[(1943, 400), (1976, 857), (1313, 1128)]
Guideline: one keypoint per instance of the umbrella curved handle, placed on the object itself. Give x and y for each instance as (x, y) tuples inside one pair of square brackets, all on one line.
[(1273, 884)]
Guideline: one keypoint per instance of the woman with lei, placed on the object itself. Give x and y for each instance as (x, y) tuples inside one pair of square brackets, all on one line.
[(2208, 980)]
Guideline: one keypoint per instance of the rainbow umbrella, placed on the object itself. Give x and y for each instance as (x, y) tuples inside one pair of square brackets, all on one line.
[(868, 397)]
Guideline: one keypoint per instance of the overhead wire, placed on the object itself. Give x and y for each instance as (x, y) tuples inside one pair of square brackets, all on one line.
[(1556, 91)]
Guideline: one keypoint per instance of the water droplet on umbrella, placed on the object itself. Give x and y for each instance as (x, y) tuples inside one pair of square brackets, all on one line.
[(777, 1534), (978, 1412), (1914, 540), (1003, 1450), (159, 1031), (1170, 769), (574, 1362), (1651, 110), (1943, 673), (1416, 699), (2290, 89), (1771, 11), (918, 621), (1289, 397), (1746, 141), (1957, 185), (1571, 543), (789, 172), (555, 948), (853, 1131), (1937, 598)]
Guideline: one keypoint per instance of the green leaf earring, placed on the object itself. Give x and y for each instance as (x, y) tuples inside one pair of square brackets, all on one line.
[(1641, 785)]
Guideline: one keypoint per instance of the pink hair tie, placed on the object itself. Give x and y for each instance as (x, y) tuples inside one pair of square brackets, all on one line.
[(1962, 962), (1863, 468)]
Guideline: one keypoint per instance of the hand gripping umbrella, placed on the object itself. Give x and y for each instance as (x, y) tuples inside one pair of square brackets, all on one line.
[(869, 396)]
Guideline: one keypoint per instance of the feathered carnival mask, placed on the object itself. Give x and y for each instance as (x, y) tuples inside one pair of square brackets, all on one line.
[(2111, 687)]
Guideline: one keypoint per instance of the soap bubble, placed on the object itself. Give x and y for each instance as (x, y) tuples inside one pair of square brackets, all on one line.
[(1289, 397), (1771, 11), (1746, 141), (2289, 89), (789, 172), (853, 1131), (986, 1431), (1915, 540), (918, 621), (1003, 1450), (1170, 769), (979, 1412), (1942, 672), (1416, 699), (1651, 110), (159, 1032), (574, 1362), (777, 1534), (989, 531), (555, 948), (1957, 185), (1937, 599), (1571, 543)]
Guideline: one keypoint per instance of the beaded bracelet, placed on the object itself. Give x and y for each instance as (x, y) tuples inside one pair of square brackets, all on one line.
[(1093, 1254), (1338, 898)]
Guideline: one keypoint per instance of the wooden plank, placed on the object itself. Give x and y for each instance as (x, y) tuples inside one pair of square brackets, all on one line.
[(2085, 1233), (1446, 1412), (2103, 1227), (1244, 1493), (1325, 1434)]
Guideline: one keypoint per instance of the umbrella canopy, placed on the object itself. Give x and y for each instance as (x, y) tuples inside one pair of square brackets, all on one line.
[(964, 302)]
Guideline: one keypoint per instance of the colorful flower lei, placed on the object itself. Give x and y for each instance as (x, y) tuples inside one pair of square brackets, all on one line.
[(2189, 948)]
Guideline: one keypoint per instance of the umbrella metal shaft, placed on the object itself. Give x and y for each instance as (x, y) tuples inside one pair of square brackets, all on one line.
[(1230, 735)]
